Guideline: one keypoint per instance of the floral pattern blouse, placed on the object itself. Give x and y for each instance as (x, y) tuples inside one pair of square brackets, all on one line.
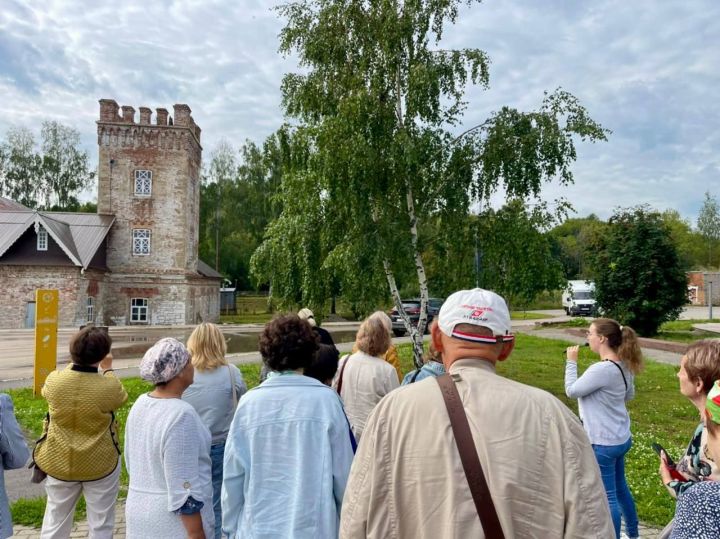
[(695, 463)]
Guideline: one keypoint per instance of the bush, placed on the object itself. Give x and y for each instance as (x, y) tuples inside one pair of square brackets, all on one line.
[(639, 279)]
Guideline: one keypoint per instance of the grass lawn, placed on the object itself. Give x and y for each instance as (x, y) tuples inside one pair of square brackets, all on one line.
[(527, 315), (683, 331), (659, 413)]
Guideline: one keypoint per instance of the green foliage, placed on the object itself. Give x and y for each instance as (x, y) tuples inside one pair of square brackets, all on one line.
[(373, 167), (688, 242), (571, 241), (49, 177), (708, 224), (227, 239), (639, 279), (518, 262)]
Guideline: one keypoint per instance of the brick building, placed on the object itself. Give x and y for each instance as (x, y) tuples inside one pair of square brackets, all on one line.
[(700, 285), (136, 260)]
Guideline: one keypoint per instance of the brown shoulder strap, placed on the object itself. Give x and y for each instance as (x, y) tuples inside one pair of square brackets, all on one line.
[(469, 458), (340, 376)]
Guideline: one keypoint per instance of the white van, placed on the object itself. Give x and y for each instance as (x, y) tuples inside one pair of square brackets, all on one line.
[(578, 298)]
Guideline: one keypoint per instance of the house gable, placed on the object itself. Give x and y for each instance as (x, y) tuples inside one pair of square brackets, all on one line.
[(24, 252)]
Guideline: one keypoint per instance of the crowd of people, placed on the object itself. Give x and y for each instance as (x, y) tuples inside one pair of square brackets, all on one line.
[(347, 447)]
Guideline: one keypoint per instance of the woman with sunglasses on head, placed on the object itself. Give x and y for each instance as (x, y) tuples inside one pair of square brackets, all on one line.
[(602, 391)]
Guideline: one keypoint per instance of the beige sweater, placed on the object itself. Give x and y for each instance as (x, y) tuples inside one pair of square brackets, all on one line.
[(407, 480), (366, 380)]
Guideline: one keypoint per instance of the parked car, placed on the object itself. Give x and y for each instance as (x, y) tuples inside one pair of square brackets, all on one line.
[(412, 308)]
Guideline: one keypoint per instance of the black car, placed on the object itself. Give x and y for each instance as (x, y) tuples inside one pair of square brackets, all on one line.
[(412, 308)]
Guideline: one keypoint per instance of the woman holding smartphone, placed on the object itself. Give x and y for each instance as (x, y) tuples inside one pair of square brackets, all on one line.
[(602, 391), (699, 368), (698, 509)]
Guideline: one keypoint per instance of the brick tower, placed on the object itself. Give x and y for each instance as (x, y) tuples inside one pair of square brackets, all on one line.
[(149, 179)]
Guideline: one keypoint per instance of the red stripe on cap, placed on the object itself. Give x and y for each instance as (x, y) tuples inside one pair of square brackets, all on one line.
[(472, 337)]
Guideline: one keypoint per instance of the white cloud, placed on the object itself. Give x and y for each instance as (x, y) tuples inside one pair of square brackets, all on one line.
[(647, 70)]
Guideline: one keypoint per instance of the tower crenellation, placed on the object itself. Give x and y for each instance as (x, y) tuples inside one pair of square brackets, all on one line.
[(128, 114), (162, 116), (145, 114)]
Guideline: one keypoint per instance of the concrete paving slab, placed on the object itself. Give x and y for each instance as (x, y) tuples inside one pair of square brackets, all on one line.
[(712, 327)]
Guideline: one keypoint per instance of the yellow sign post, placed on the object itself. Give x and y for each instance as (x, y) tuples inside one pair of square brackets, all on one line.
[(46, 324)]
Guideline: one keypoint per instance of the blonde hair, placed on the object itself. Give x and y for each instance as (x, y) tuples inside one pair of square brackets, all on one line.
[(207, 347), (373, 337), (703, 362), (623, 340)]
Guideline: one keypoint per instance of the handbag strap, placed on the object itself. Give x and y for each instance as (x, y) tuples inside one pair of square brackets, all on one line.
[(340, 376), (469, 458), (232, 388), (621, 371)]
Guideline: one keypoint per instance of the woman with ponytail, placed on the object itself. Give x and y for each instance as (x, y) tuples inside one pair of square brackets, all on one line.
[(602, 391)]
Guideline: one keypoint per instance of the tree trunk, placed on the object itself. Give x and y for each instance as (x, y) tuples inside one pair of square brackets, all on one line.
[(417, 337)]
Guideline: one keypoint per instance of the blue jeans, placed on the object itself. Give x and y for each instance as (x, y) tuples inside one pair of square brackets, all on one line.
[(217, 452), (611, 459)]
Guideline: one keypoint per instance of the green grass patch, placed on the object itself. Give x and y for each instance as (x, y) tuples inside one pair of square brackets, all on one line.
[(683, 331), (527, 315), (658, 413), (29, 512), (579, 322)]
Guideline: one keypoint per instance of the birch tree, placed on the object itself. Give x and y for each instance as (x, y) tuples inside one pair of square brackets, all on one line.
[(376, 110)]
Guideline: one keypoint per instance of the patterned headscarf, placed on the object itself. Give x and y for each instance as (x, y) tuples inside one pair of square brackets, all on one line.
[(164, 361), (713, 403)]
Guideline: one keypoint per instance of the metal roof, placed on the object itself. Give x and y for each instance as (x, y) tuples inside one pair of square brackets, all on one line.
[(79, 235), (11, 205), (12, 226), (87, 231), (207, 271)]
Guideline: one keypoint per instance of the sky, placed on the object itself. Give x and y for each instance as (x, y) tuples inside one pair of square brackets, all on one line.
[(648, 70)]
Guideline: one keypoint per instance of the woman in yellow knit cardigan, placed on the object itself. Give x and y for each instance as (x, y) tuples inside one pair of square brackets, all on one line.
[(79, 450)]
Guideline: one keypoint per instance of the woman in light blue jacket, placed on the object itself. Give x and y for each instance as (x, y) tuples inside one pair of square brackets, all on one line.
[(289, 449), (14, 454)]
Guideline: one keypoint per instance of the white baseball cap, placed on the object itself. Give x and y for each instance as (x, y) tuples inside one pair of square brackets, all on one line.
[(477, 307)]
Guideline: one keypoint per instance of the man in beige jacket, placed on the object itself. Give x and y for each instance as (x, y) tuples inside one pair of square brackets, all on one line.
[(407, 480)]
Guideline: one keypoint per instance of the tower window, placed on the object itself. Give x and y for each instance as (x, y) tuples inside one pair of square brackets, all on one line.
[(139, 310), (143, 183), (42, 239), (141, 241), (90, 310)]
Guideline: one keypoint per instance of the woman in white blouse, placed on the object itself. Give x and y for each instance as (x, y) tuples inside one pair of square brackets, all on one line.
[(365, 377), (167, 453)]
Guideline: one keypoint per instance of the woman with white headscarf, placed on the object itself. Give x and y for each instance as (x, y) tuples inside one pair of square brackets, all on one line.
[(167, 453)]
